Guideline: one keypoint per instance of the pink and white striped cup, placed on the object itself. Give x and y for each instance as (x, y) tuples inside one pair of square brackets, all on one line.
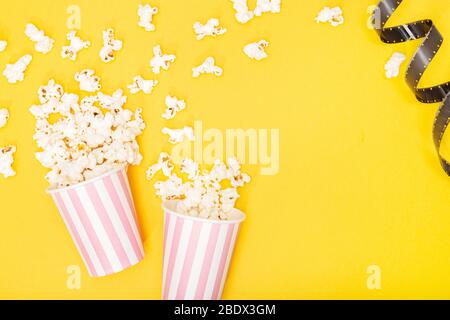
[(101, 218), (197, 255)]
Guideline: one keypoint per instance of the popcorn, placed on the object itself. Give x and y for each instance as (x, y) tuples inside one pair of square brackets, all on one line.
[(139, 84), (43, 44), (208, 67), (6, 161), (88, 80), (110, 45), (146, 13), (331, 15), (211, 28), (3, 45), (173, 107), (263, 6), (4, 116), (243, 14), (161, 60), (256, 50), (203, 194), (15, 72), (76, 45), (178, 135), (89, 138), (392, 67)]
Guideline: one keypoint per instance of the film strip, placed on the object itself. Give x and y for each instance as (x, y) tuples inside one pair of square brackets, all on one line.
[(418, 64)]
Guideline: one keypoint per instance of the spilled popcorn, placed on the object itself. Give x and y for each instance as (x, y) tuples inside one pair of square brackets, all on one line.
[(3, 45), (207, 67), (140, 84), (16, 72), (4, 116), (44, 44), (88, 80), (89, 138), (211, 28), (203, 194), (110, 46), (76, 45), (256, 50), (178, 135), (160, 60), (263, 6), (331, 15), (6, 161), (392, 67), (243, 14), (173, 106), (146, 13)]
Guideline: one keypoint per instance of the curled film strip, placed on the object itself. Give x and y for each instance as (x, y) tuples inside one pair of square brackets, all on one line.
[(418, 64)]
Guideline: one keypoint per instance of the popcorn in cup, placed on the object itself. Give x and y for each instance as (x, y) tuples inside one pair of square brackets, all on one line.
[(101, 218), (197, 254)]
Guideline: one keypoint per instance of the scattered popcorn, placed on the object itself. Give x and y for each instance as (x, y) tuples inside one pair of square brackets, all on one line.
[(392, 67), (86, 140), (243, 14), (178, 135), (43, 44), (110, 45), (211, 28), (256, 50), (263, 6), (6, 161), (208, 67), (203, 194), (15, 72), (3, 45), (76, 45), (4, 116), (173, 107), (88, 80), (146, 13), (140, 84), (161, 60), (331, 15)]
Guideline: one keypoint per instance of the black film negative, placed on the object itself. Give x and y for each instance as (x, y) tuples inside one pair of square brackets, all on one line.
[(418, 64)]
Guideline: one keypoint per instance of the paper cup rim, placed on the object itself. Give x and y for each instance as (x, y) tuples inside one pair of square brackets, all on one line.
[(52, 190), (166, 207)]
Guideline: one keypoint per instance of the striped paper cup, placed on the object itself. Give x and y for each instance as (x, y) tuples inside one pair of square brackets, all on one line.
[(101, 218), (197, 255)]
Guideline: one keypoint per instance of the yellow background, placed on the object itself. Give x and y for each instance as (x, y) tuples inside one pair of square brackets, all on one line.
[(359, 183)]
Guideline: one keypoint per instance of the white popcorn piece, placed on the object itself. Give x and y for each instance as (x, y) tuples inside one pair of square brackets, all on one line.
[(173, 106), (146, 13), (140, 84), (89, 138), (6, 161), (243, 14), (4, 116), (207, 67), (110, 46), (331, 15), (211, 28), (44, 44), (160, 60), (203, 194), (392, 67), (256, 50), (16, 72), (88, 80), (178, 135), (263, 6), (3, 45), (75, 46)]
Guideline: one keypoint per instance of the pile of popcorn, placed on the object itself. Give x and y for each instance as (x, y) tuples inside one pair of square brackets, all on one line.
[(203, 194), (81, 140), (6, 153)]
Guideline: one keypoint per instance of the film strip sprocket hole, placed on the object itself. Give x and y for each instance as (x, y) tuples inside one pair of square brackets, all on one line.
[(418, 64)]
